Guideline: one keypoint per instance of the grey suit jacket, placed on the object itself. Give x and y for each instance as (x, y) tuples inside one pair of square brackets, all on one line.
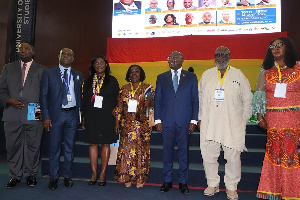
[(10, 87)]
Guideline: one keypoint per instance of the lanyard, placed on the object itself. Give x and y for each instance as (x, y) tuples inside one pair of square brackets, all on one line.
[(66, 83), (279, 72), (221, 81), (99, 85), (134, 91)]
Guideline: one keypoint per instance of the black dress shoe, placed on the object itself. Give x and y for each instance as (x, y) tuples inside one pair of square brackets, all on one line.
[(166, 186), (68, 182), (184, 188), (53, 184), (31, 181), (12, 183), (102, 183)]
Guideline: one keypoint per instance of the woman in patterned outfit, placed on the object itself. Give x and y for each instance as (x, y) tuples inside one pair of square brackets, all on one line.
[(278, 99), (133, 159)]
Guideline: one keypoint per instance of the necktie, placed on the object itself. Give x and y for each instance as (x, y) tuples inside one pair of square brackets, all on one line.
[(23, 78), (66, 75), (23, 73), (175, 81), (65, 91)]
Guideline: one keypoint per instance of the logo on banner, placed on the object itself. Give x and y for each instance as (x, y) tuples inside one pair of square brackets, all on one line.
[(22, 25)]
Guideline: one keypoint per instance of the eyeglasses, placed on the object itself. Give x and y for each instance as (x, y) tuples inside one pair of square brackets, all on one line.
[(66, 54), (223, 55), (99, 63), (279, 45), (173, 58)]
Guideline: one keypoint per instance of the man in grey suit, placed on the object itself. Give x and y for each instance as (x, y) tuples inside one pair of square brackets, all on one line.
[(19, 86), (60, 104)]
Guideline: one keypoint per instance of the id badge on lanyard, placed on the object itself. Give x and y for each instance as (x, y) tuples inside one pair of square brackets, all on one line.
[(132, 105), (69, 97), (219, 95), (280, 90), (67, 84), (98, 101)]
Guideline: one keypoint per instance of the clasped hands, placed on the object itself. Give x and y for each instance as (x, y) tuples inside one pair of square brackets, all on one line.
[(191, 127)]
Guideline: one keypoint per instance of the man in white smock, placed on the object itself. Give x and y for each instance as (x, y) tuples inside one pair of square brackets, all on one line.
[(224, 110)]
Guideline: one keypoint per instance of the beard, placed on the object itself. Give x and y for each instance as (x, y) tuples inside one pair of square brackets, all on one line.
[(222, 65)]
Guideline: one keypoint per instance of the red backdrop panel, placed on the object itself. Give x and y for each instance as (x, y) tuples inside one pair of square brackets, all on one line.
[(193, 47)]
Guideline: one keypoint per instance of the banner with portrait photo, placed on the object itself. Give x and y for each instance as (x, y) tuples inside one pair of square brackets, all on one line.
[(164, 18)]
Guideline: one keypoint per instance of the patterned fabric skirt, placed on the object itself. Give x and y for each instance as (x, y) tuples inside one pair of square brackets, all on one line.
[(280, 176), (133, 159)]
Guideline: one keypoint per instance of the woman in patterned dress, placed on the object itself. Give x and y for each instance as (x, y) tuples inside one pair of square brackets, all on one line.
[(133, 158), (278, 99)]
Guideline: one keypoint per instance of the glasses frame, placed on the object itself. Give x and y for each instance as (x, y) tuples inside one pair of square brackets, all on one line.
[(223, 55), (96, 64), (279, 45)]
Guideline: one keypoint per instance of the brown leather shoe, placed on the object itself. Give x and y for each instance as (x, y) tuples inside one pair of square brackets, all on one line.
[(232, 195), (210, 191)]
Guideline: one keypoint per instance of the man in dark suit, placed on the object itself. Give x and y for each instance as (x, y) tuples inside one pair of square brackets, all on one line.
[(176, 107), (19, 86), (127, 5), (60, 99)]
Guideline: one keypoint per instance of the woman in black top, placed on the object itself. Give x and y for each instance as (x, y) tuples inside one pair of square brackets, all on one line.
[(100, 92)]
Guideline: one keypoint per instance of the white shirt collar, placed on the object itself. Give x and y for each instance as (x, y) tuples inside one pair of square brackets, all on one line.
[(62, 68), (178, 70), (130, 7)]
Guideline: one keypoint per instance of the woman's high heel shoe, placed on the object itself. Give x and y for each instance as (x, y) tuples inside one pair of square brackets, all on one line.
[(93, 182), (102, 183)]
